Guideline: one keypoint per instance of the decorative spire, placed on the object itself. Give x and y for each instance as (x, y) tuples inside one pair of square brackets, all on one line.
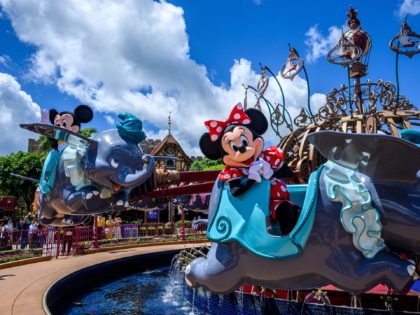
[(353, 22), (169, 123), (353, 48), (293, 65), (406, 42)]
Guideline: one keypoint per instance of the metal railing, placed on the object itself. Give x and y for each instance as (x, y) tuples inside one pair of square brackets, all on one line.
[(56, 242)]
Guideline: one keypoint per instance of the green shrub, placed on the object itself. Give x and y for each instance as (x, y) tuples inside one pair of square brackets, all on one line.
[(30, 251), (18, 254), (187, 223)]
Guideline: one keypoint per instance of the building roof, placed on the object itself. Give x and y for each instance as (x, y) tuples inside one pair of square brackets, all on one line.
[(169, 139)]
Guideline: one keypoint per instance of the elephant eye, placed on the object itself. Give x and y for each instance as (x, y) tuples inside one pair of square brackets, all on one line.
[(114, 163), (139, 169)]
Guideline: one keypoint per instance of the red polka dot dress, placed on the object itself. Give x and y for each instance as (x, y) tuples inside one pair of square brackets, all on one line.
[(278, 189)]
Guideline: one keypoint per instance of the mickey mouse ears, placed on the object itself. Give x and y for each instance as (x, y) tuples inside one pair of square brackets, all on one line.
[(84, 113)]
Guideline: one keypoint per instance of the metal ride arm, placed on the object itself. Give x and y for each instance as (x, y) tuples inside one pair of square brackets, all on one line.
[(202, 182)]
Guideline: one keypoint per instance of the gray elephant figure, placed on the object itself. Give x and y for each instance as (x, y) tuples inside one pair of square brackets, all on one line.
[(366, 209), (92, 175)]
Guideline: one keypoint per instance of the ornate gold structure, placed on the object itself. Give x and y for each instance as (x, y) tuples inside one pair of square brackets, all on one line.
[(381, 115), (358, 107)]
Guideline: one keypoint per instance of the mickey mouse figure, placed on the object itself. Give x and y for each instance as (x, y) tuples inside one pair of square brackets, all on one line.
[(239, 143), (69, 120)]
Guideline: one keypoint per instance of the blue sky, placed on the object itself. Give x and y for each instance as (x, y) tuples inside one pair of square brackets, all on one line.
[(187, 57)]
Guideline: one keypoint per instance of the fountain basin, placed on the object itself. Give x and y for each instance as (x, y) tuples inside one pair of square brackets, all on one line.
[(142, 285), (65, 294)]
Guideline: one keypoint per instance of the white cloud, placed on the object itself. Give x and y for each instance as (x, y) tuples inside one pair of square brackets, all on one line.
[(132, 55), (4, 60), (16, 107), (295, 93), (318, 44), (110, 120), (409, 7)]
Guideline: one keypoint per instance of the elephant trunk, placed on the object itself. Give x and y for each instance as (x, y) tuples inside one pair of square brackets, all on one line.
[(133, 180)]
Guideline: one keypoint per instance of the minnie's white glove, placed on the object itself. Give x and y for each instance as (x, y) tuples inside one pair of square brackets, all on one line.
[(255, 170), (260, 168), (266, 170)]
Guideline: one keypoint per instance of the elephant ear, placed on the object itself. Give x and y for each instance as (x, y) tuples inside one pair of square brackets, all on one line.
[(381, 157), (130, 128)]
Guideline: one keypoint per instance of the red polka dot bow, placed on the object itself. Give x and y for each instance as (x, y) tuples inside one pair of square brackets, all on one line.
[(237, 116)]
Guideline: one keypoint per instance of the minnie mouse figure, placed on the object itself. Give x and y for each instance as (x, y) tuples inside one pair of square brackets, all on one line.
[(239, 143)]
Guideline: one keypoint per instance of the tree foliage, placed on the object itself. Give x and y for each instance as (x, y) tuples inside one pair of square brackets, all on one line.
[(206, 164), (46, 144), (26, 164), (88, 132)]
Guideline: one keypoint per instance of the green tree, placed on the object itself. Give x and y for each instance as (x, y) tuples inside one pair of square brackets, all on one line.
[(26, 164), (206, 164), (88, 132), (46, 144)]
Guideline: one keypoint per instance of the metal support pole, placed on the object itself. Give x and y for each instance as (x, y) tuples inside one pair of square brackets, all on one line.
[(95, 232), (182, 237), (358, 91), (397, 79), (57, 249), (349, 91), (309, 93)]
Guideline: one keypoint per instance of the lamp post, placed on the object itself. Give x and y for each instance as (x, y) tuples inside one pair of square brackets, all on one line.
[(292, 67)]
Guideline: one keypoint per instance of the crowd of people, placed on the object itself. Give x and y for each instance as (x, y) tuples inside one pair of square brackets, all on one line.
[(26, 232), (109, 227)]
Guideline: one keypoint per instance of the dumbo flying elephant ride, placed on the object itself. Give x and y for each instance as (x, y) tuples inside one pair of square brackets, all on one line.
[(92, 175), (346, 227)]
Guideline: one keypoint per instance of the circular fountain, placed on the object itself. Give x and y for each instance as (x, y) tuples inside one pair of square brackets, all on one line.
[(154, 284)]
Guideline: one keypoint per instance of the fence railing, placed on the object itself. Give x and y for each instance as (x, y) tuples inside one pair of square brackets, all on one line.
[(74, 241)]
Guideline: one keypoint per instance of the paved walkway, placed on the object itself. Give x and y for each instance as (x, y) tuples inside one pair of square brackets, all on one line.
[(22, 293)]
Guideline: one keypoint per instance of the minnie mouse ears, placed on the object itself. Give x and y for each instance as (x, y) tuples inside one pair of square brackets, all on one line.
[(211, 150), (258, 121)]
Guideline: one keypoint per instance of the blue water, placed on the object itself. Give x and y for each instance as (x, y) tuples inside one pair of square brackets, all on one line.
[(157, 292), (149, 292)]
